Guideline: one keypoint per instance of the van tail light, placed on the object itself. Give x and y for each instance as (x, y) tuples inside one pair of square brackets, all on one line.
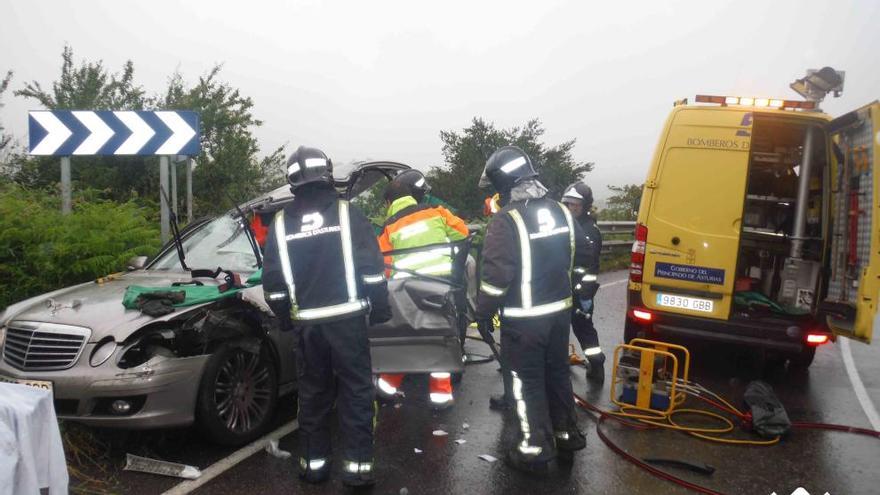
[(642, 315), (817, 339), (637, 260)]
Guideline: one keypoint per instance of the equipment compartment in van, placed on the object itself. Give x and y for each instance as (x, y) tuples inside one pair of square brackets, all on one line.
[(782, 244)]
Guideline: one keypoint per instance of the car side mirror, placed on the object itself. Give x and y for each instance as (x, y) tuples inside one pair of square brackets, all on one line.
[(136, 263)]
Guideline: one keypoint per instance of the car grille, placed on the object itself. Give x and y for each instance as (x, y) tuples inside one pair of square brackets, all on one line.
[(43, 346)]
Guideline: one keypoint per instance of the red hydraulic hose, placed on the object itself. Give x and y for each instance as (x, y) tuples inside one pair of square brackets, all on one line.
[(587, 406), (635, 460), (833, 427)]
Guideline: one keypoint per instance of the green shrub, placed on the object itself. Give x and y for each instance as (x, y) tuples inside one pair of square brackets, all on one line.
[(42, 250)]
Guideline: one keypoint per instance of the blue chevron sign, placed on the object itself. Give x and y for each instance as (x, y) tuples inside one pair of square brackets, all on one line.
[(105, 132)]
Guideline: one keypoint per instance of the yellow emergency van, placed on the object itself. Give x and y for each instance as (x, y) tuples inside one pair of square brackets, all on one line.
[(759, 225)]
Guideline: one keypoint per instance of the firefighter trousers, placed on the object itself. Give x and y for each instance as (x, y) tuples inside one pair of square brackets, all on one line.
[(583, 328), (334, 359), (536, 351)]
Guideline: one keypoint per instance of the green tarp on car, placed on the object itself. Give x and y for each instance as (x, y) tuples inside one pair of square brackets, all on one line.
[(193, 294)]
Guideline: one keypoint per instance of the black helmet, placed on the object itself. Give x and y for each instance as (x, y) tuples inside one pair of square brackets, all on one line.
[(578, 193), (506, 167), (413, 181), (307, 165)]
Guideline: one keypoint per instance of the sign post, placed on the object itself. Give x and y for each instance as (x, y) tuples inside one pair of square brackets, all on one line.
[(164, 217), (189, 189), (174, 185), (116, 133), (65, 185)]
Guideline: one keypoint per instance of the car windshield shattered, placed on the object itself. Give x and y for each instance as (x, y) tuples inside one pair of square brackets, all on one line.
[(219, 243)]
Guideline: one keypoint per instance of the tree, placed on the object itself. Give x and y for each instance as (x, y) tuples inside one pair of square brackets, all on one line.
[(89, 85), (5, 139), (228, 169), (465, 154), (6, 143), (623, 204)]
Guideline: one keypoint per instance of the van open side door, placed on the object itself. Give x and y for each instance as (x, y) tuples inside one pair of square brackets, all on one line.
[(850, 306)]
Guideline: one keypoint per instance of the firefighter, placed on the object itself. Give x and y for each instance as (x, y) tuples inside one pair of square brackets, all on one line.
[(413, 224), (322, 276), (578, 197), (528, 253)]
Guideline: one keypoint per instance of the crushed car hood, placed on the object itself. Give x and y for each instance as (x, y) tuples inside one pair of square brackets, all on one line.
[(98, 306)]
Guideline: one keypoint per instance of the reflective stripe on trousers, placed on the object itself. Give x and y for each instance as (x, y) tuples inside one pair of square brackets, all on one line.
[(522, 413), (312, 465)]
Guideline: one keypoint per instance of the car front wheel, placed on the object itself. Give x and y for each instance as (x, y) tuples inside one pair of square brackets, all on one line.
[(237, 395)]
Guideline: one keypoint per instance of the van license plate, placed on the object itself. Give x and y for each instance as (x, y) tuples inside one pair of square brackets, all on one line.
[(681, 302), (30, 383)]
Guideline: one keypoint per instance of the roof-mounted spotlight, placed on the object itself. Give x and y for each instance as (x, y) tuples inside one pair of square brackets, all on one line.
[(818, 83)]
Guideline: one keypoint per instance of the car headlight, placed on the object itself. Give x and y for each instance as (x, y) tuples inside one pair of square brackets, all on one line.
[(103, 352)]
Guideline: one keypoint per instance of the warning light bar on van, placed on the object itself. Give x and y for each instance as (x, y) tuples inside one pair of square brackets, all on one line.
[(756, 102)]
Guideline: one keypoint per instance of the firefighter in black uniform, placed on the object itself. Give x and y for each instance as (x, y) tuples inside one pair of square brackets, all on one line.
[(528, 253), (578, 197), (322, 274)]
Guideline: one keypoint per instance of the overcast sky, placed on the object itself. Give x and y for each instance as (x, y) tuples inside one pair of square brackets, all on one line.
[(380, 79)]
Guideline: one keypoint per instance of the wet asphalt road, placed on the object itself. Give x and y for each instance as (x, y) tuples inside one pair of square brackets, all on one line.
[(832, 462)]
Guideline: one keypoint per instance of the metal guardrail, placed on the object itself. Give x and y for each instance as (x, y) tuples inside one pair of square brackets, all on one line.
[(608, 228), (617, 228)]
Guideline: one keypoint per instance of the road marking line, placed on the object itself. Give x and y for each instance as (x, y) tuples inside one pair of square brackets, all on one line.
[(616, 282), (231, 460), (858, 386)]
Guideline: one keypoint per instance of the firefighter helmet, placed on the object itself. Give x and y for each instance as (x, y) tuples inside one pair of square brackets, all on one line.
[(578, 193), (506, 167), (307, 165), (415, 181)]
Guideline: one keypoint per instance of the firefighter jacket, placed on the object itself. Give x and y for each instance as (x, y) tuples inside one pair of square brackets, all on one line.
[(322, 262), (528, 254), (585, 279), (411, 225)]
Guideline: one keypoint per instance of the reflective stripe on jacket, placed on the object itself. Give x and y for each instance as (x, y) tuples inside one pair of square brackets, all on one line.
[(410, 225), (528, 254), (322, 262)]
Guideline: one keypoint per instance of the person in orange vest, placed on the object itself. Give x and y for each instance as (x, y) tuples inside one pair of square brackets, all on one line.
[(412, 224)]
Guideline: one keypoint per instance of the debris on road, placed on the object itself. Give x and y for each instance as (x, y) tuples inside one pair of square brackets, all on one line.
[(404, 491), (417, 451), (275, 451), (461, 441), (440, 433), (465, 426), (165, 468), (488, 458)]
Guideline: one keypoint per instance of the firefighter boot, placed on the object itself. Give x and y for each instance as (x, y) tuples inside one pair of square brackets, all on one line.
[(314, 471), (358, 474), (501, 402), (596, 368), (520, 462), (568, 442)]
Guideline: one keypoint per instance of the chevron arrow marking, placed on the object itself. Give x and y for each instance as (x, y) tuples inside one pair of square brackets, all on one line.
[(56, 133), (99, 131), (181, 133), (141, 133)]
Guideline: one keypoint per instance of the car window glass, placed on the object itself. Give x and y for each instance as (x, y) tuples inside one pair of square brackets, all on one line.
[(219, 243)]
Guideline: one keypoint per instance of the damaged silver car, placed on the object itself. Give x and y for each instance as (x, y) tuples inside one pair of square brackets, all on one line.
[(221, 364)]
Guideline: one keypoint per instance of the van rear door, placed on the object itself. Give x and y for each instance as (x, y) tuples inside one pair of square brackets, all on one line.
[(695, 212), (851, 303)]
